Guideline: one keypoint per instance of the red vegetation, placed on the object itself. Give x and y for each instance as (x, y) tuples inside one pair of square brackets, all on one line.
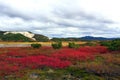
[(38, 62), (94, 49), (82, 54), (16, 59)]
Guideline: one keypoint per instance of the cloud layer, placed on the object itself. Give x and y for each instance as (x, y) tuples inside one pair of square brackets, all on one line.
[(61, 18)]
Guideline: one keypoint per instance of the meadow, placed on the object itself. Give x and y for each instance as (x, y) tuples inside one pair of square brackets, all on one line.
[(46, 63)]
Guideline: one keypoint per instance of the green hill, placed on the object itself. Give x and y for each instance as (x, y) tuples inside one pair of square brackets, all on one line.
[(22, 36)]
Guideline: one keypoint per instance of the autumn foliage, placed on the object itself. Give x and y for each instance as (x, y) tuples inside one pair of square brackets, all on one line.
[(13, 60)]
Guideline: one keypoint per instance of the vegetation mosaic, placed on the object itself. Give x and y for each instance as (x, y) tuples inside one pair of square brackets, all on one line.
[(72, 62)]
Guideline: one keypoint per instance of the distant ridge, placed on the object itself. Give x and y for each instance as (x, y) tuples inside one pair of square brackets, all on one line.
[(29, 36), (86, 38), (96, 38)]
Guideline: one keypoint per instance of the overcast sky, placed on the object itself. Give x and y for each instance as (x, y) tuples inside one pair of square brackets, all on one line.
[(62, 18)]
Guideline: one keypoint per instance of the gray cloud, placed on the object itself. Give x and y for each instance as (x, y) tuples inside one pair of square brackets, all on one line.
[(8, 11), (56, 20)]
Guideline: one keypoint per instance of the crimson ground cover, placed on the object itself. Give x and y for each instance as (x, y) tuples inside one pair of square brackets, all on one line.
[(15, 60)]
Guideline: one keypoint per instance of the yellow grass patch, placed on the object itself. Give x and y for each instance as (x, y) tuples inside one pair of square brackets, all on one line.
[(43, 43)]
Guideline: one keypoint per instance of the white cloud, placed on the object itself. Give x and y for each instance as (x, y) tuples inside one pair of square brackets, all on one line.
[(62, 18)]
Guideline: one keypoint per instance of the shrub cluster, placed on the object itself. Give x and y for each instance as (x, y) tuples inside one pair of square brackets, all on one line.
[(112, 45), (36, 45), (57, 45), (73, 45)]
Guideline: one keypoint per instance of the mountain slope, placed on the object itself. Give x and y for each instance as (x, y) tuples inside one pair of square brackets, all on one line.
[(21, 36)]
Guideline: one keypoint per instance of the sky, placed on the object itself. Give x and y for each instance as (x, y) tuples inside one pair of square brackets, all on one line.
[(62, 18)]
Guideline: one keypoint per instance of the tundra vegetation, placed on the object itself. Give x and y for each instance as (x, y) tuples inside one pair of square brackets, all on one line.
[(91, 61)]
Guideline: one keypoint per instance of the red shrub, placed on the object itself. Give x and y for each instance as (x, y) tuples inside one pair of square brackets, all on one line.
[(16, 54), (17, 59), (73, 54), (94, 49), (6, 69), (39, 61)]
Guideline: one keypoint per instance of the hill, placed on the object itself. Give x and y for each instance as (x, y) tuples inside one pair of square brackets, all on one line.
[(21, 36)]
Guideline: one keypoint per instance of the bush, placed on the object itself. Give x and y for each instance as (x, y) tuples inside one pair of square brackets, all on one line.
[(36, 45), (112, 45), (57, 45), (73, 45)]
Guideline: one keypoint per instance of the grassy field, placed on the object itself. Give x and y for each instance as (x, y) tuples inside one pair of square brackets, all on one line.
[(43, 43)]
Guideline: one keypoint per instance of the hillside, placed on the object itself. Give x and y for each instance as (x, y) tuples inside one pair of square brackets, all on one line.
[(21, 36)]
